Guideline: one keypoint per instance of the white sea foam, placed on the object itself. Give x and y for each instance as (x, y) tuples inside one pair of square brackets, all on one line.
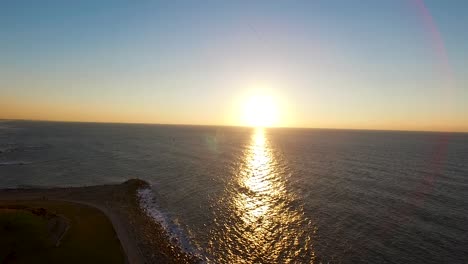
[(149, 205)]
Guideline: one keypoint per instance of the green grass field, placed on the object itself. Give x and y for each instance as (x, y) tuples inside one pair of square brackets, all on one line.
[(90, 238)]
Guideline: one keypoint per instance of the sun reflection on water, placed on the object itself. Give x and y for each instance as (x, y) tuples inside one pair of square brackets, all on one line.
[(263, 223), (256, 178)]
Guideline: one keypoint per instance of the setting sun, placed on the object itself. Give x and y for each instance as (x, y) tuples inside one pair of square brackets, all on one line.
[(260, 111), (240, 132)]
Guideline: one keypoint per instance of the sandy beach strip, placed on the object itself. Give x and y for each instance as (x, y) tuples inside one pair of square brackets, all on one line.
[(143, 239)]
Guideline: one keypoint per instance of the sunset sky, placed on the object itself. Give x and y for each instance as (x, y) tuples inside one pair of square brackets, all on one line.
[(332, 64)]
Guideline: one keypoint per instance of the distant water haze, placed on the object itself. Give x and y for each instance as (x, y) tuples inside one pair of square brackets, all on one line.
[(243, 195)]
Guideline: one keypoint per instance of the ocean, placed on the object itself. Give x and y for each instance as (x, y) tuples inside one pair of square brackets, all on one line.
[(273, 195)]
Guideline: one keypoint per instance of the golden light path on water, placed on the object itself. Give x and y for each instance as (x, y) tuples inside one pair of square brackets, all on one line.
[(258, 221), (256, 177)]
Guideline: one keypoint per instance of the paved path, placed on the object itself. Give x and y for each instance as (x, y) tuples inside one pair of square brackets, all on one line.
[(121, 227)]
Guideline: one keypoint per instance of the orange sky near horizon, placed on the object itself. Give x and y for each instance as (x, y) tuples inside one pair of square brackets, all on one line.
[(75, 113)]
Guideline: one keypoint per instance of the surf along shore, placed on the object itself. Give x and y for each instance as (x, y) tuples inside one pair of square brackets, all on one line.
[(143, 240)]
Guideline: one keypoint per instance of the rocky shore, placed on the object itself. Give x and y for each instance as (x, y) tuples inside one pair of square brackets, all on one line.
[(143, 239)]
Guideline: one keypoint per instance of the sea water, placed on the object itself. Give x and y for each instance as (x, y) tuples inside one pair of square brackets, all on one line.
[(251, 195)]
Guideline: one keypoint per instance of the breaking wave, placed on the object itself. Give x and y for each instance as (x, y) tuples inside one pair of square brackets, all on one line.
[(177, 236)]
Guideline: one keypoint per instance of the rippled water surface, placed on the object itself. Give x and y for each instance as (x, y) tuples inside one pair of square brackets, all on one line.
[(242, 195)]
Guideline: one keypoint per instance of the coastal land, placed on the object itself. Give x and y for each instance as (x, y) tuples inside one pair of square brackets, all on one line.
[(142, 239)]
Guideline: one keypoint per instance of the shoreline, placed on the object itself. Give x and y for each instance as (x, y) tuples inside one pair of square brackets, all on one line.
[(142, 239)]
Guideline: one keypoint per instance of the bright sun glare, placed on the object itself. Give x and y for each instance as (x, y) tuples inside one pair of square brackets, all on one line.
[(260, 111)]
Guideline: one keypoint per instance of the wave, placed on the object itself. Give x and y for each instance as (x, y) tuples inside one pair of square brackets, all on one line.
[(13, 163), (6, 127), (29, 186), (149, 206), (20, 148)]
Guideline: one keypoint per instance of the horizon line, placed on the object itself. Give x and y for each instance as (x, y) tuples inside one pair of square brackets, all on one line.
[(234, 126)]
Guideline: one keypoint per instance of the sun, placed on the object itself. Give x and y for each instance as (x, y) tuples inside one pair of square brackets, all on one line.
[(260, 111)]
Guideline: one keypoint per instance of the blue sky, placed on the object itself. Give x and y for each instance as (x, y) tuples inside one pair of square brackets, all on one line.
[(341, 64)]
